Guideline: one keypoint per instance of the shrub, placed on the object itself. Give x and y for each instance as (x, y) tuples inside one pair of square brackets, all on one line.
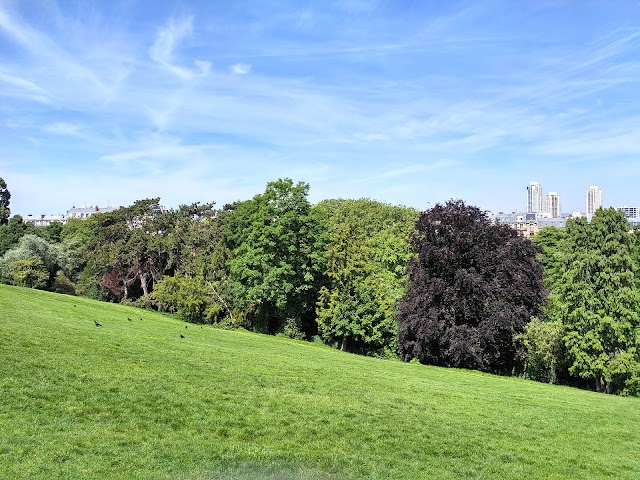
[(61, 284), (31, 273)]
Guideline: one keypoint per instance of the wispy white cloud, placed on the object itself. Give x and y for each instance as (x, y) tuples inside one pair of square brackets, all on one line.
[(21, 83), (168, 38), (63, 128), (322, 97), (417, 168), (240, 68)]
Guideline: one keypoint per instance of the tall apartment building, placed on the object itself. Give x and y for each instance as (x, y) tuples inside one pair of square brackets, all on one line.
[(629, 212), (594, 201), (552, 207), (534, 198)]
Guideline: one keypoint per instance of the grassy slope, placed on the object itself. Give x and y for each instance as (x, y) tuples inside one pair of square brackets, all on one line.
[(134, 400)]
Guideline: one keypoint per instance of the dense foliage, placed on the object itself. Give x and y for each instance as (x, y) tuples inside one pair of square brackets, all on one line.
[(592, 271), (473, 287), (366, 258), (5, 196), (275, 265), (447, 287)]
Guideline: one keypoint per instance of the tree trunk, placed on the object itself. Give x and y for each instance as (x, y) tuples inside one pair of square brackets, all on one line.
[(143, 283), (599, 383), (344, 344)]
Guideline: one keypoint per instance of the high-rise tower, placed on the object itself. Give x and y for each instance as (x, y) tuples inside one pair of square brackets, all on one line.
[(534, 198), (594, 201), (552, 207)]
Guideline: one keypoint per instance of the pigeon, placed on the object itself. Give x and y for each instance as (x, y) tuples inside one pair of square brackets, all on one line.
[(128, 318), (185, 327), (181, 336), (97, 324)]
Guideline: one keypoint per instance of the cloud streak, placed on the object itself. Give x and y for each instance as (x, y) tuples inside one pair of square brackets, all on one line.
[(373, 99), (167, 41)]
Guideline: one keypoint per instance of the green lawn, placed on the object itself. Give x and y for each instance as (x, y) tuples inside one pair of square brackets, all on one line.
[(131, 399)]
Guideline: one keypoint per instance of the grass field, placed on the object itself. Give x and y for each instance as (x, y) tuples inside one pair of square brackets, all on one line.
[(131, 399)]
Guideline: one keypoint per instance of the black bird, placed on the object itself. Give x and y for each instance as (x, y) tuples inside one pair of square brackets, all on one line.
[(128, 319), (186, 326), (140, 318), (97, 324), (200, 326), (181, 336)]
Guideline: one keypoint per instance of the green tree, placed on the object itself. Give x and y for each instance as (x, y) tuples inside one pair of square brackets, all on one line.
[(543, 337), (62, 284), (552, 240), (13, 231), (30, 272), (189, 297), (275, 244), (52, 232), (127, 249), (51, 256), (545, 349), (366, 258), (600, 307), (5, 196)]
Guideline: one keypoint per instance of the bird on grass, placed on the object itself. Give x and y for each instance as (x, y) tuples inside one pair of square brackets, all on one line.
[(185, 327), (140, 318), (97, 324), (128, 318), (181, 336)]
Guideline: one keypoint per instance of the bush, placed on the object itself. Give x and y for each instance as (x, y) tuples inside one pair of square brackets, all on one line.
[(292, 328), (61, 284), (31, 273), (188, 297), (543, 343)]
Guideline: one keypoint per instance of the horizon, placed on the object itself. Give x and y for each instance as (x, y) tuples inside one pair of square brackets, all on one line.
[(405, 103)]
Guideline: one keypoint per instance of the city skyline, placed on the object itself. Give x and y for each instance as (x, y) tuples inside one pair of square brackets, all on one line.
[(550, 204), (409, 103)]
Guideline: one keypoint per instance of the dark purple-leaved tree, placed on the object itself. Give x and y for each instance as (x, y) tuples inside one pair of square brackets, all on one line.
[(473, 286)]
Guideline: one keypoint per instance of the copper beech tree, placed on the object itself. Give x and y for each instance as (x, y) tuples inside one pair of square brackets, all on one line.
[(473, 287)]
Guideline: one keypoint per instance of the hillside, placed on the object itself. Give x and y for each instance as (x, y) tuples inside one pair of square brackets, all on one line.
[(132, 399)]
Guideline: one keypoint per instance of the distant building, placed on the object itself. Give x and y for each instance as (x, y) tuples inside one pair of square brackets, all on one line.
[(79, 213), (634, 222), (525, 224), (534, 198), (629, 212), (552, 222), (528, 224), (552, 207), (594, 201), (157, 209), (44, 220), (85, 212)]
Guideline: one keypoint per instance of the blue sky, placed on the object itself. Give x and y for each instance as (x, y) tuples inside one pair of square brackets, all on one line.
[(407, 102)]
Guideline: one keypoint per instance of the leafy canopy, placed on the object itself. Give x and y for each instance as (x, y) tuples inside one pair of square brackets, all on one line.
[(275, 246), (599, 301), (472, 289), (5, 196), (366, 258)]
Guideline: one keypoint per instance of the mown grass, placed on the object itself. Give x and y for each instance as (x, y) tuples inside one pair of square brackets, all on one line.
[(131, 399)]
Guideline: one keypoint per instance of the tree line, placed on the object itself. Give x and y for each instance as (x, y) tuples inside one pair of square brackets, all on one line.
[(447, 286)]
